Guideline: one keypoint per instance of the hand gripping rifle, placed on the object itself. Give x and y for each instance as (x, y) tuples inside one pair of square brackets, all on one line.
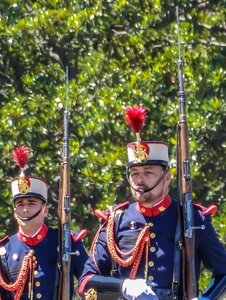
[(64, 213), (186, 213)]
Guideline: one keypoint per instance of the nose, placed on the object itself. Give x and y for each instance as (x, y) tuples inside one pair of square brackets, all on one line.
[(25, 210), (140, 179)]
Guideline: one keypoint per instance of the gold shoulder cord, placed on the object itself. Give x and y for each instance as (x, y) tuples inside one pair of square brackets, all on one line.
[(143, 242), (27, 269), (135, 254)]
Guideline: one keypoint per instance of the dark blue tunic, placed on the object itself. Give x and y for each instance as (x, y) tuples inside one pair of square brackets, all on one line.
[(45, 271), (208, 248)]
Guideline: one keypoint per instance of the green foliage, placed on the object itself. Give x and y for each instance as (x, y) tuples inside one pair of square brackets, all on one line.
[(119, 53), (220, 226)]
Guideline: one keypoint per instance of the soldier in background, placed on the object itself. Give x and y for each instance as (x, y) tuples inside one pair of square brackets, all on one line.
[(28, 259), (136, 253)]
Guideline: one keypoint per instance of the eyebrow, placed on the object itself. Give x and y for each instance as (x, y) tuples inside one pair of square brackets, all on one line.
[(28, 200), (144, 168), (31, 200), (19, 202)]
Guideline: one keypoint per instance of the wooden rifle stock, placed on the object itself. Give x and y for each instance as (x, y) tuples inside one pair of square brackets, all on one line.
[(186, 213), (64, 214)]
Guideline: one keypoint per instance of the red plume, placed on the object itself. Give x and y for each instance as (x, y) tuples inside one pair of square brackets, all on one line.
[(20, 156), (135, 117)]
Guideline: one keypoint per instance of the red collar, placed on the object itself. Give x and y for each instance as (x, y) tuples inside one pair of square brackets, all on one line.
[(155, 210), (32, 241)]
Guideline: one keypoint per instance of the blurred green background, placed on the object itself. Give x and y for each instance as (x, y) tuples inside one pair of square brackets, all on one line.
[(119, 53)]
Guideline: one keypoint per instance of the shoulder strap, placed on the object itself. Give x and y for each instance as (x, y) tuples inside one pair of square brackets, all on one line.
[(4, 268), (177, 262), (114, 268)]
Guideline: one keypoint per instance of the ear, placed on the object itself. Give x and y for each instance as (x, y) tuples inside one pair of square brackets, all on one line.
[(46, 210), (15, 215), (168, 177)]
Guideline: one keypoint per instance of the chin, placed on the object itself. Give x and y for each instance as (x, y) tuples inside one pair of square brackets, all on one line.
[(21, 223), (140, 199)]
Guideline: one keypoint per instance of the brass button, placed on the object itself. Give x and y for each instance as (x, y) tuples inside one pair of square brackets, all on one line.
[(150, 277), (150, 224), (15, 256), (151, 263), (37, 283), (36, 272), (162, 208), (152, 235), (38, 296), (152, 249)]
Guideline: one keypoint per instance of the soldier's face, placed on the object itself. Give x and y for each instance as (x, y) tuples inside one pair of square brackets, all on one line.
[(28, 207), (146, 177)]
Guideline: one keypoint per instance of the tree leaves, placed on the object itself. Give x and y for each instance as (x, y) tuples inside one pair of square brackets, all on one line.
[(118, 54)]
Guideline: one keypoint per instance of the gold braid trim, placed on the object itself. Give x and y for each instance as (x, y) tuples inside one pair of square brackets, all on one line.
[(93, 247), (96, 237), (139, 256), (28, 265), (135, 253)]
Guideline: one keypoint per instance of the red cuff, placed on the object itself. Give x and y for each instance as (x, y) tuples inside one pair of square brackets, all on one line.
[(83, 283)]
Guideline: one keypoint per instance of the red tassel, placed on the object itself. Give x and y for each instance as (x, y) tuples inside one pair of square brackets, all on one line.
[(135, 117), (21, 156)]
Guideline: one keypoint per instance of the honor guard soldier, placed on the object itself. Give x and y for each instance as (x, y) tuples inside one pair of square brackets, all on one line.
[(29, 259), (136, 253)]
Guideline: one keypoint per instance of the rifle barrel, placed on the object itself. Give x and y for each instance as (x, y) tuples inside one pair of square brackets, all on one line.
[(186, 213), (64, 212)]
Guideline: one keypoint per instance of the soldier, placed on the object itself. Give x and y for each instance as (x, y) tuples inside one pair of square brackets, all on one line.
[(135, 254), (28, 259)]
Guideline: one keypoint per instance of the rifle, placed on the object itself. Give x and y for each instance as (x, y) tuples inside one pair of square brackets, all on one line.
[(186, 213), (64, 213)]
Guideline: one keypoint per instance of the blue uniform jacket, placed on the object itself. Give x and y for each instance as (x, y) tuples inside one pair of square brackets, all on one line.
[(45, 271), (209, 249)]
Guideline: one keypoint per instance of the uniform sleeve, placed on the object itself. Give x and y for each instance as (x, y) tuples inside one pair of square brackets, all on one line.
[(210, 250), (98, 263)]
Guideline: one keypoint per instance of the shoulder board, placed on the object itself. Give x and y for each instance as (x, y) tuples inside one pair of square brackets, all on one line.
[(207, 211), (77, 236), (104, 215), (121, 205), (100, 214), (4, 239)]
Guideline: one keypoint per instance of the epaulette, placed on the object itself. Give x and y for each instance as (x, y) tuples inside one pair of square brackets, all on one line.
[(100, 214), (104, 215), (77, 236), (4, 239), (122, 205), (207, 211)]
